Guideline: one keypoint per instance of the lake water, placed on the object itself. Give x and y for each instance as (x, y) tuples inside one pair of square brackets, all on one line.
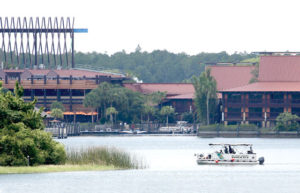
[(172, 168)]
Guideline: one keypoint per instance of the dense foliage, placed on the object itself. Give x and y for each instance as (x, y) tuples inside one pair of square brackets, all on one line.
[(159, 66), (22, 139), (118, 104), (127, 104)]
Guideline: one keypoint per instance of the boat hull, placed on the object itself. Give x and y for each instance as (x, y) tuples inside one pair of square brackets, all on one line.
[(212, 162)]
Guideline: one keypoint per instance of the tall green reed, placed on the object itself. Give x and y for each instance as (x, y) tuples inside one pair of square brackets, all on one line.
[(103, 156)]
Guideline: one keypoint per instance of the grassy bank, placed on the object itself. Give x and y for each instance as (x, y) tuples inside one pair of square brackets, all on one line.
[(53, 168), (85, 159)]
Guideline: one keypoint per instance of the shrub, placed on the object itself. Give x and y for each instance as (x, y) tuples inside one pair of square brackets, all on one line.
[(248, 127), (287, 122), (37, 144), (21, 133)]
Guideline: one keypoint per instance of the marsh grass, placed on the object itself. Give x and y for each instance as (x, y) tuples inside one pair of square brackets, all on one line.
[(103, 156), (84, 159)]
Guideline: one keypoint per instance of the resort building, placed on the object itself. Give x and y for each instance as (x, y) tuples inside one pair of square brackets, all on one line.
[(67, 86), (277, 90)]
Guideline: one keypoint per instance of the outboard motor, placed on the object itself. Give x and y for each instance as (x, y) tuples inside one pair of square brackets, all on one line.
[(261, 160)]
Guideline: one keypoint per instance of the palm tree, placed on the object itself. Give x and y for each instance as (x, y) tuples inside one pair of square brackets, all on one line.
[(57, 113), (148, 110), (111, 111), (152, 100), (206, 88), (167, 110)]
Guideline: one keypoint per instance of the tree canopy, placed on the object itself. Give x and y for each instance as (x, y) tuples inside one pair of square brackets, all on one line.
[(287, 122), (57, 113), (158, 66), (166, 111)]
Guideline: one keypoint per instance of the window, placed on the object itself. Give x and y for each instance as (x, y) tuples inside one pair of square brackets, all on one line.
[(64, 92), (234, 97), (274, 112), (255, 98), (87, 91), (27, 92), (38, 92), (296, 97), (51, 92), (255, 112), (78, 92), (296, 111), (277, 97), (234, 112)]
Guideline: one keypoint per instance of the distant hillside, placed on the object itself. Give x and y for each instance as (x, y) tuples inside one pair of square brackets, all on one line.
[(157, 66)]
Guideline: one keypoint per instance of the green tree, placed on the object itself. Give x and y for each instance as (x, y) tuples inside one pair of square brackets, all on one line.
[(166, 111), (287, 122), (148, 110), (21, 133), (57, 105), (57, 113), (206, 94), (151, 101), (91, 100), (110, 111)]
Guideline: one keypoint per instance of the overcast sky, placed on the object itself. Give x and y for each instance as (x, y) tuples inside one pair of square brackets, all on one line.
[(190, 26)]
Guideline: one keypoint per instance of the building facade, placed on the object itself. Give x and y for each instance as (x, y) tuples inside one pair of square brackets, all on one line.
[(66, 86), (276, 91)]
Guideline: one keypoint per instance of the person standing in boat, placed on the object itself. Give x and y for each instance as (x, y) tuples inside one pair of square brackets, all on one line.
[(231, 150)]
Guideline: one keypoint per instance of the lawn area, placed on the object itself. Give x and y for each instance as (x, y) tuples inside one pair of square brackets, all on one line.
[(54, 168)]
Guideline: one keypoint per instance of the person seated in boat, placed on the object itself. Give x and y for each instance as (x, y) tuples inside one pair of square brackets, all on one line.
[(250, 151), (226, 149)]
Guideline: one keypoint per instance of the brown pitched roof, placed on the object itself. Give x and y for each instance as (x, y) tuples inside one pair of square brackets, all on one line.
[(172, 89), (279, 68), (182, 96), (268, 87), (231, 76)]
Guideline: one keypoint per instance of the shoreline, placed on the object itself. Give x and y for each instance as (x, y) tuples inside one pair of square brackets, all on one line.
[(248, 134), (53, 168)]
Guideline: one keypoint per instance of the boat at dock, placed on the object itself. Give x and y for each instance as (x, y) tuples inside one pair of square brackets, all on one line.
[(230, 154)]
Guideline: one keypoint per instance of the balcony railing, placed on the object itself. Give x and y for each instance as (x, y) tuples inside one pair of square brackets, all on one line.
[(255, 101), (274, 115), (234, 115), (255, 115)]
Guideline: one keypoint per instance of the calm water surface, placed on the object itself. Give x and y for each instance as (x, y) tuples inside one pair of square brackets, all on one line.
[(172, 168)]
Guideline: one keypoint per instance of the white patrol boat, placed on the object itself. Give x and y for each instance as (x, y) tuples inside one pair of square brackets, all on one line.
[(234, 154)]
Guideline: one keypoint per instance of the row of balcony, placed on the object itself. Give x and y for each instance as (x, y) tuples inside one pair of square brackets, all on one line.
[(253, 115), (259, 101)]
